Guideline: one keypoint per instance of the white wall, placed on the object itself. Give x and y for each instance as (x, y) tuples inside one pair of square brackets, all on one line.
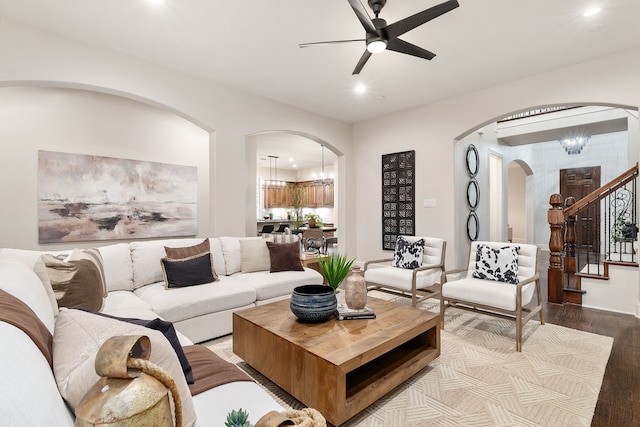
[(81, 122), (517, 206), (432, 129), (31, 57)]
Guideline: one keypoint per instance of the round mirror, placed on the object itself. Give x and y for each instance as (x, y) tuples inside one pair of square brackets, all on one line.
[(473, 160), (472, 226), (473, 194)]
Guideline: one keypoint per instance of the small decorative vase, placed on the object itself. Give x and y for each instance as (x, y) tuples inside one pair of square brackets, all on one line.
[(312, 223), (313, 303), (355, 290)]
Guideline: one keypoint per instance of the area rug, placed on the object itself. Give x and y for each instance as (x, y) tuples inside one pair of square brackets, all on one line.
[(480, 380)]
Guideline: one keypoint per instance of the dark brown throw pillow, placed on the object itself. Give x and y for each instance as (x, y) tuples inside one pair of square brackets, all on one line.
[(189, 251), (195, 270), (284, 257)]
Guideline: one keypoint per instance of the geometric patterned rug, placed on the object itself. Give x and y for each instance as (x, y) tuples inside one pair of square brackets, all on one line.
[(480, 380)]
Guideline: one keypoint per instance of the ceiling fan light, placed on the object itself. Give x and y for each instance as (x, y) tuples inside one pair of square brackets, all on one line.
[(376, 45)]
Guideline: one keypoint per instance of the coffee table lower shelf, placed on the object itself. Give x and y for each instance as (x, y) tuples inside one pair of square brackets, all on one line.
[(337, 367)]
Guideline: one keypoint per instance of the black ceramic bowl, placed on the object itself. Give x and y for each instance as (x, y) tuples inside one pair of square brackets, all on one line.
[(313, 303)]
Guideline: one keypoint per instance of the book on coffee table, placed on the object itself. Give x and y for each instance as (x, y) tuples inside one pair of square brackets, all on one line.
[(345, 313)]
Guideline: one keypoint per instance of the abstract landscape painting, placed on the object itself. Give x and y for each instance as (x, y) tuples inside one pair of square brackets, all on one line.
[(82, 198)]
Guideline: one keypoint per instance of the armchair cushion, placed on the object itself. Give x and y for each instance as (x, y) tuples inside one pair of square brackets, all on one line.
[(490, 293), (498, 264), (408, 255), (401, 278)]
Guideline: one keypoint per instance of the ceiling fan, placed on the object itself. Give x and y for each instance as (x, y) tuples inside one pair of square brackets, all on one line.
[(380, 36)]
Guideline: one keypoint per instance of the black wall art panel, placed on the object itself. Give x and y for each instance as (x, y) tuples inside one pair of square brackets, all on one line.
[(398, 197)]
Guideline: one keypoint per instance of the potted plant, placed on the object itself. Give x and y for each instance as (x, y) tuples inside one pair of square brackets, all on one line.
[(335, 268), (314, 220), (239, 418)]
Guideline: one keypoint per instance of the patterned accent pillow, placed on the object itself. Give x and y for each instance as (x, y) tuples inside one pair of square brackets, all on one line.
[(408, 255), (77, 280), (497, 264)]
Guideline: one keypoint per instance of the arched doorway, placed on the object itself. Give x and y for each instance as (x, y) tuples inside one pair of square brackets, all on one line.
[(533, 140), (287, 161)]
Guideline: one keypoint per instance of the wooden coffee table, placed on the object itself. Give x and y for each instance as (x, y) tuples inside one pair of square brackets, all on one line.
[(337, 367)]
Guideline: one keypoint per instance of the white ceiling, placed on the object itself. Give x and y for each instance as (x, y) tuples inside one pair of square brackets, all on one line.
[(253, 46)]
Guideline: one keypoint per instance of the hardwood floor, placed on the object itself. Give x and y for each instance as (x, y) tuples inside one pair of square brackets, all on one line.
[(619, 399)]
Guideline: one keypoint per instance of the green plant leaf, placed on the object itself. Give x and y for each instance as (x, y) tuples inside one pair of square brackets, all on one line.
[(335, 268)]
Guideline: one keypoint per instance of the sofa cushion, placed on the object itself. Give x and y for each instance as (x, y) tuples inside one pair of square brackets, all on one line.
[(218, 256), (118, 269), (146, 255), (500, 264), (18, 279), (194, 270), (408, 254), (185, 303), (77, 280), (272, 285), (29, 393), (119, 300), (189, 251), (284, 257), (254, 255), (232, 252), (214, 404), (15, 312), (78, 337)]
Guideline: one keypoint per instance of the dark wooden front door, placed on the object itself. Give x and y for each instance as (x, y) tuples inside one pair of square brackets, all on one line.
[(578, 183)]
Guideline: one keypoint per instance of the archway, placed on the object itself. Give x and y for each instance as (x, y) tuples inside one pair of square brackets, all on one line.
[(293, 159), (531, 138)]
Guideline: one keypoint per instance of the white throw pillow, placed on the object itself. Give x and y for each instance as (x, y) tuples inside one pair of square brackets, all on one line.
[(78, 337), (232, 252), (254, 255)]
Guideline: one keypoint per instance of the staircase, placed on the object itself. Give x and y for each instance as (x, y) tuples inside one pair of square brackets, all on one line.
[(596, 267)]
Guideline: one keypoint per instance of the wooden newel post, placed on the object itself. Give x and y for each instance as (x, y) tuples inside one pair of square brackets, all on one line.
[(570, 240), (555, 217)]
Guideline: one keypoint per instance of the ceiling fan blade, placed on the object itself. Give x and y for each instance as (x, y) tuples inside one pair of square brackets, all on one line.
[(402, 46), (399, 28), (363, 60), (329, 42), (363, 16)]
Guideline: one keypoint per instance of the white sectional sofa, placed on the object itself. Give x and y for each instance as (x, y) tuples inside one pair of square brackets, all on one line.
[(136, 288), (29, 394)]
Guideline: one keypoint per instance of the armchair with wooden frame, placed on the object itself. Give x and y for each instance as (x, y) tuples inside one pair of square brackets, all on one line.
[(497, 296), (420, 283)]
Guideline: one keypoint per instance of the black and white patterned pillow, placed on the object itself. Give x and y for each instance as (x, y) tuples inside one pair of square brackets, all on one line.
[(408, 255), (497, 264)]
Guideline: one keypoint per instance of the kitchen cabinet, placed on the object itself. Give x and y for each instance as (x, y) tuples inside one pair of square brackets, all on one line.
[(278, 196), (314, 195)]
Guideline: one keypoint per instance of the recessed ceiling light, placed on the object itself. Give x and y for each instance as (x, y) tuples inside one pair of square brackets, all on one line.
[(360, 88), (591, 11)]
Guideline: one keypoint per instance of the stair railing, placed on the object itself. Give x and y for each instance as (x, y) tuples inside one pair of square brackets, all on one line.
[(577, 249)]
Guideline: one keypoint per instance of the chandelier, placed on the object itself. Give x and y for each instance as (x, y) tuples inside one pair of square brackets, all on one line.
[(574, 145), (322, 179), (274, 182)]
